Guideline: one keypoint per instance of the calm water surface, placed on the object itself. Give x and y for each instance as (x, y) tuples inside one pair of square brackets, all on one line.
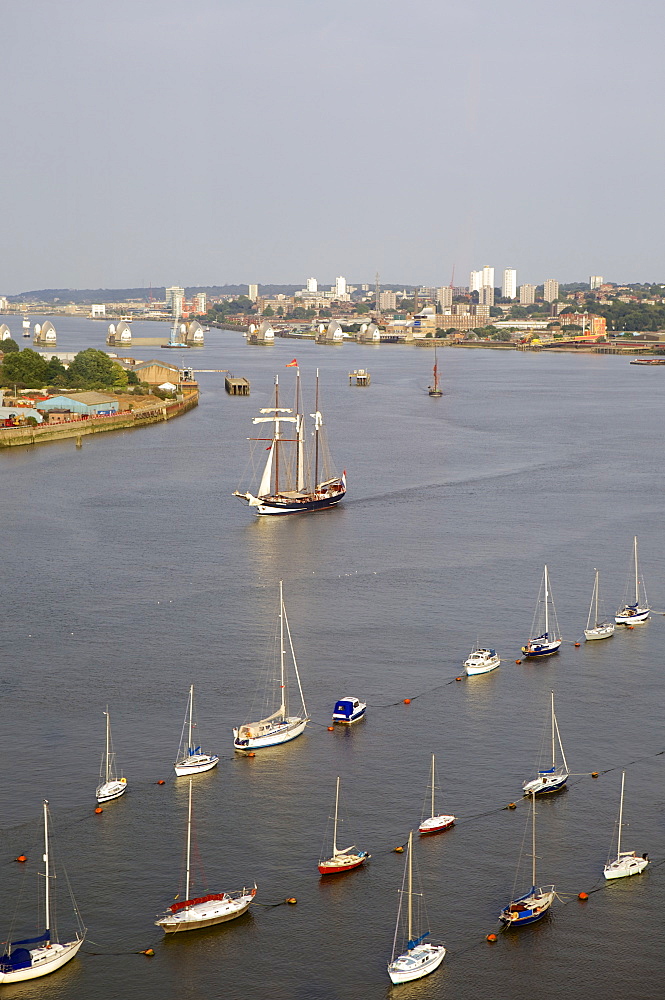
[(130, 572)]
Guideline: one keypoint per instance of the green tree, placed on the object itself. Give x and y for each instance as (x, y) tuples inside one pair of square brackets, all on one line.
[(9, 345), (268, 311), (56, 373), (25, 368), (92, 369)]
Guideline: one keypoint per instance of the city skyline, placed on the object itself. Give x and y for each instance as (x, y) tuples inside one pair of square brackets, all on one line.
[(160, 152)]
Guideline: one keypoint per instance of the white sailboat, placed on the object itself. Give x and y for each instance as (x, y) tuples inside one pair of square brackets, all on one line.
[(202, 911), (549, 640), (341, 860), (419, 957), (626, 862), (599, 630), (435, 823), (535, 903), (639, 611), (291, 484), (191, 759), (280, 726), (555, 777), (39, 956), (110, 787)]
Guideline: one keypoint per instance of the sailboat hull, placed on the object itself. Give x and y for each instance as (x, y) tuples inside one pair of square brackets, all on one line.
[(545, 784), (343, 863), (599, 632), (626, 864), (43, 962), (539, 649), (111, 790), (528, 909), (207, 913), (436, 824), (195, 764), (416, 963), (630, 616), (282, 733), (293, 505)]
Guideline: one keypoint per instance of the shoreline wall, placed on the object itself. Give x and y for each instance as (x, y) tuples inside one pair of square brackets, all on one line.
[(126, 419)]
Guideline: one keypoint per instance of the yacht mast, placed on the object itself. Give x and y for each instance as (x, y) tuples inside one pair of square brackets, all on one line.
[(432, 784), (191, 709), (410, 928), (189, 839), (47, 897), (335, 827), (108, 743), (282, 707), (547, 595), (533, 840), (553, 733), (276, 434), (637, 584), (623, 778), (316, 433)]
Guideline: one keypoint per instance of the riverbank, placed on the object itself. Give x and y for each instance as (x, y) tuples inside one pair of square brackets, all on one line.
[(156, 412)]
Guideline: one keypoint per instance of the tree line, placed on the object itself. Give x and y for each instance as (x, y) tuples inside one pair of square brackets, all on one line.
[(90, 369)]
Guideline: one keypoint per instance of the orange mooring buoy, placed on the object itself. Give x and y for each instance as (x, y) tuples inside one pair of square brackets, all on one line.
[(161, 782), (292, 900), (149, 952), (630, 626), (583, 896), (251, 754), (512, 805), (21, 858), (491, 938), (99, 810), (518, 662), (594, 774), (458, 678), (577, 645), (398, 850), (331, 729), (407, 701)]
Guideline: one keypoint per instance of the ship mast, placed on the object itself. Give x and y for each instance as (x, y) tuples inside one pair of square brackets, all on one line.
[(316, 434)]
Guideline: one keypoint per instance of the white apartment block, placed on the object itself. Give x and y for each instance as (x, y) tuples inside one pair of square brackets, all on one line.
[(388, 301), (595, 281), (551, 290), (312, 286), (509, 286), (200, 302), (444, 296), (527, 295), (488, 276), (175, 296), (340, 288), (253, 292), (475, 281)]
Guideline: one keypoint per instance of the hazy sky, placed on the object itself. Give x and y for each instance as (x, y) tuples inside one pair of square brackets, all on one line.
[(213, 141)]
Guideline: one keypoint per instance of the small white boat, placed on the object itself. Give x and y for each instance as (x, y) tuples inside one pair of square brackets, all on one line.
[(203, 911), (626, 862), (639, 611), (32, 958), (482, 661), (549, 640), (419, 957), (349, 710), (26, 326), (341, 860), (110, 787), (191, 759), (279, 727), (555, 777), (599, 629), (535, 903), (435, 823)]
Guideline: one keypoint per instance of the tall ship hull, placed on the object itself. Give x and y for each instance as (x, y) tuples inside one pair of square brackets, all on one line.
[(296, 478)]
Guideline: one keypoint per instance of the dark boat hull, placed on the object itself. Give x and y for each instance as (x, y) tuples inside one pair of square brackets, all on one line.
[(273, 506)]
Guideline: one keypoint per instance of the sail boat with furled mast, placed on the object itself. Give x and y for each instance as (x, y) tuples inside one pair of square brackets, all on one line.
[(434, 389), (290, 481), (341, 860), (420, 957)]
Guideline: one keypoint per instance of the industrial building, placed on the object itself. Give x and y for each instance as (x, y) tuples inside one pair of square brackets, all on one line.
[(86, 404)]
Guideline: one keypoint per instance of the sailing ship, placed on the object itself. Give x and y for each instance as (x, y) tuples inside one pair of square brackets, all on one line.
[(555, 777), (419, 957), (110, 787), (434, 389), (632, 614), (341, 860), (481, 661), (535, 903), (549, 640), (435, 823), (348, 710), (191, 759), (599, 629), (626, 862), (279, 726), (290, 481), (39, 956), (26, 326), (203, 911)]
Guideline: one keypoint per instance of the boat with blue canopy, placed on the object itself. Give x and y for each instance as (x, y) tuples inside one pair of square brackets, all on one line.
[(551, 779), (535, 903), (349, 710), (548, 641)]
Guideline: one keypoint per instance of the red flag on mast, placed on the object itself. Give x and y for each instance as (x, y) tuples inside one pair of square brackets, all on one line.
[(292, 364)]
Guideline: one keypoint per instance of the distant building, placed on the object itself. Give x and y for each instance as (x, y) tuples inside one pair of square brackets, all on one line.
[(97, 310), (527, 295), (4, 304), (388, 301), (444, 296), (551, 290), (253, 292), (312, 286), (595, 281), (475, 281), (340, 289), (488, 276), (156, 372), (175, 296), (88, 404), (486, 296), (509, 286), (200, 302)]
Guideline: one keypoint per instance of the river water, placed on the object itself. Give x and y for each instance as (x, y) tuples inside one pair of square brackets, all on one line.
[(130, 572)]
